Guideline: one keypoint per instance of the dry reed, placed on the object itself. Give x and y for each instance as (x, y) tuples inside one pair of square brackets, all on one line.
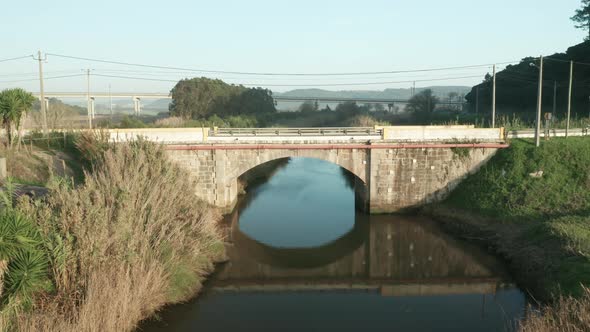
[(170, 122), (120, 243), (568, 314)]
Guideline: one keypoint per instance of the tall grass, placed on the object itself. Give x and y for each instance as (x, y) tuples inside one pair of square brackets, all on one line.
[(516, 122), (567, 315), (123, 244)]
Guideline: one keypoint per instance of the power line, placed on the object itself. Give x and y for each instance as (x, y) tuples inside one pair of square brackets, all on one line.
[(165, 74), (568, 61), (136, 78), (373, 83), (47, 78), (273, 74), (287, 85), (17, 58), (36, 73)]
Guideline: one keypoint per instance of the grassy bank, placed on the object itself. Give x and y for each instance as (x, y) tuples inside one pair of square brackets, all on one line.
[(109, 252), (532, 206), (40, 158)]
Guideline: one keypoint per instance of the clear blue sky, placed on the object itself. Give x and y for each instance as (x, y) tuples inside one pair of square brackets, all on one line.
[(278, 36)]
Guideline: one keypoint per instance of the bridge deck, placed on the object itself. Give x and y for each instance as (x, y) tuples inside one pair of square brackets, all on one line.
[(392, 135)]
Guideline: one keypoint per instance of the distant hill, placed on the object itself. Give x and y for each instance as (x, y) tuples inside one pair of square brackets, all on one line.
[(440, 91)]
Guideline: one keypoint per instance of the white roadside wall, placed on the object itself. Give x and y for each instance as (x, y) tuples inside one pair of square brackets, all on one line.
[(160, 135), (392, 133)]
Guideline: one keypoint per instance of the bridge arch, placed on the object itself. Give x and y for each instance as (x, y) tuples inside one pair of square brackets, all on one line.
[(352, 160)]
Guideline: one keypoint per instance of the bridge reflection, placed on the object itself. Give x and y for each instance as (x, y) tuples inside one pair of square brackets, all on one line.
[(395, 255)]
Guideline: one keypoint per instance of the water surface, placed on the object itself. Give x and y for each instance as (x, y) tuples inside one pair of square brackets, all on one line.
[(301, 258)]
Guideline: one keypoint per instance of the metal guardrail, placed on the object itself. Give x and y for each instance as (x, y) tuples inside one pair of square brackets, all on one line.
[(328, 131), (528, 133)]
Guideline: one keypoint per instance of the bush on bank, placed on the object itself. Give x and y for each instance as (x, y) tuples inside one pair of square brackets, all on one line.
[(129, 240)]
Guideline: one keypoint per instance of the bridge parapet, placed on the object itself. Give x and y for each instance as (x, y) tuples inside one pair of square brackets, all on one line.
[(442, 133), (332, 135)]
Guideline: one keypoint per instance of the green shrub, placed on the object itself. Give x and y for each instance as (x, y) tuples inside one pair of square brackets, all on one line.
[(131, 122)]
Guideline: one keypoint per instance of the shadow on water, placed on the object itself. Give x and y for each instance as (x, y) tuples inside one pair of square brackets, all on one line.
[(381, 273)]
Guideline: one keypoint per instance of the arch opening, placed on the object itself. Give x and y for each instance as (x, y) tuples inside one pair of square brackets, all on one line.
[(298, 202)]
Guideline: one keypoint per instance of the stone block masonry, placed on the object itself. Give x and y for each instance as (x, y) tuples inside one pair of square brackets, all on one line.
[(406, 178), (390, 178)]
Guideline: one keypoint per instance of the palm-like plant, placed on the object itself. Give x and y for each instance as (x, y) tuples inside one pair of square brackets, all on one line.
[(13, 104), (23, 261)]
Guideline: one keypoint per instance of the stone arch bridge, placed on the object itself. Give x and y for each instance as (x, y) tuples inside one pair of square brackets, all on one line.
[(395, 167)]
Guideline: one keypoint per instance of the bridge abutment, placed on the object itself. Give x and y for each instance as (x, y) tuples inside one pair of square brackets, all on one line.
[(406, 178)]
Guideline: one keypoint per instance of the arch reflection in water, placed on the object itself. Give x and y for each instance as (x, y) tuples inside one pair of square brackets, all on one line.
[(395, 254)]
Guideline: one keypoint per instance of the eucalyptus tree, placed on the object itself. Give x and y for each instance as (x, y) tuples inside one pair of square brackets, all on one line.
[(582, 17), (14, 103)]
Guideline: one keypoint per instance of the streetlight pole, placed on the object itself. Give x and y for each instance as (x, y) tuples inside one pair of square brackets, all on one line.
[(539, 105)]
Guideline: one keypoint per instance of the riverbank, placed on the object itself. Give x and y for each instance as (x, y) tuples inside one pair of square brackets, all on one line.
[(105, 254), (532, 207)]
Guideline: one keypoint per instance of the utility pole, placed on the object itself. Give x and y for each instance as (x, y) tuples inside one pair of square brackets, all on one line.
[(554, 98), (42, 93), (539, 105), (569, 99), (111, 101), (414, 89), (477, 100), (494, 99), (88, 107)]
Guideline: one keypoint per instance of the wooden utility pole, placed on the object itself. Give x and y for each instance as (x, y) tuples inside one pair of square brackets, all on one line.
[(569, 100), (494, 99), (554, 98), (42, 93), (539, 105)]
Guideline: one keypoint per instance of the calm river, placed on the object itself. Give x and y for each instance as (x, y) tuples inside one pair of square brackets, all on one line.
[(301, 258)]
